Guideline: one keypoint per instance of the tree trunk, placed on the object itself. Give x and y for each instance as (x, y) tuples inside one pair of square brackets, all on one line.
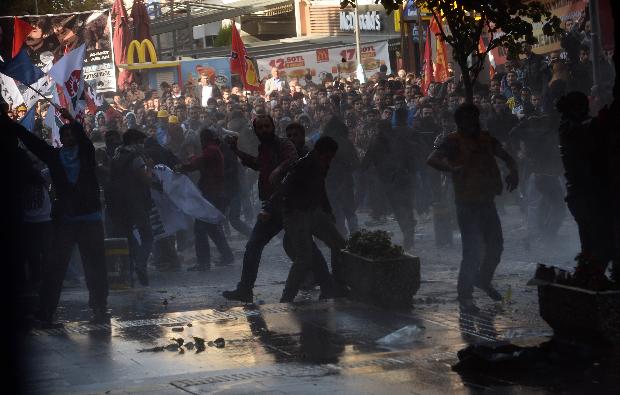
[(467, 82)]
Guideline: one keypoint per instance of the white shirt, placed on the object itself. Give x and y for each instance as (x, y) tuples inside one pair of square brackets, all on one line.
[(207, 93)]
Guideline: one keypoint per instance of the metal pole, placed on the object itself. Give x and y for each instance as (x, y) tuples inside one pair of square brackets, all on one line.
[(595, 41), (36, 7), (190, 32), (358, 52)]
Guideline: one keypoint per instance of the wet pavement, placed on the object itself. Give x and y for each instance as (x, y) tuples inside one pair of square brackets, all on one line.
[(309, 346)]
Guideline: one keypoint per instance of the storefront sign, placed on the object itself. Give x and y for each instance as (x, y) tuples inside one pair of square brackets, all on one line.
[(369, 21), (322, 61)]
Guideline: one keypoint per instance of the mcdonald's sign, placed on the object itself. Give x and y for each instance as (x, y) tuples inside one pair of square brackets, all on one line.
[(141, 48)]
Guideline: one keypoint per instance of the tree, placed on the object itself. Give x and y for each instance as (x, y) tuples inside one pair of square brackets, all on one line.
[(224, 37), (507, 23)]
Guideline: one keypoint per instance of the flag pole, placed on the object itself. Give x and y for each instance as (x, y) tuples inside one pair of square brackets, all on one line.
[(43, 96)]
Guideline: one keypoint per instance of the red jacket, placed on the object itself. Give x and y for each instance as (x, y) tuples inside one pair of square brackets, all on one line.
[(211, 167)]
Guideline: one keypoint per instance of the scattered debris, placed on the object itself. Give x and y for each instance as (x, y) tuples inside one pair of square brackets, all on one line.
[(189, 345), (165, 302), (403, 336), (178, 329), (179, 341), (220, 342), (153, 349), (172, 347), (189, 324)]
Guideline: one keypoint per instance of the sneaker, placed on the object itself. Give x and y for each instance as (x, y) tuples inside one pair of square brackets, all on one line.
[(170, 268), (100, 316), (239, 294), (287, 297), (41, 321), (199, 268), (468, 306), (225, 262), (491, 293)]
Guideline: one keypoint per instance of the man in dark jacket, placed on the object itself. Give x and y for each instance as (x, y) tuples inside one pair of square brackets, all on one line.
[(165, 256), (76, 213), (339, 180), (501, 120), (275, 156), (129, 199), (307, 213), (211, 183), (390, 153)]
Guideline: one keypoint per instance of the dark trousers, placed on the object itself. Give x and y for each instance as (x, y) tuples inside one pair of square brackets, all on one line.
[(140, 244), (300, 227), (234, 216), (37, 246), (342, 199), (483, 243), (165, 252), (262, 233), (592, 211), (88, 235), (401, 201), (204, 231), (545, 206)]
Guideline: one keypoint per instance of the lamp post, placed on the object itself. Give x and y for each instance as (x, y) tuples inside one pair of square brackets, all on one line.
[(359, 70)]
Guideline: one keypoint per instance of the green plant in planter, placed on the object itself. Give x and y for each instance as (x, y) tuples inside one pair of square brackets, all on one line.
[(374, 245)]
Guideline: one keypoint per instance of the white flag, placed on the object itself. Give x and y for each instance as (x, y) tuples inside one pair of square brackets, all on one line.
[(10, 92), (67, 72), (43, 85)]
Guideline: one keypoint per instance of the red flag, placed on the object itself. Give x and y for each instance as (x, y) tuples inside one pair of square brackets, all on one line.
[(428, 62), (241, 64), (482, 49), (21, 30), (441, 58)]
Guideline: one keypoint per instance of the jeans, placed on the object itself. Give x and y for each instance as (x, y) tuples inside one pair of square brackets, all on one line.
[(262, 233), (401, 200), (592, 211), (37, 246), (545, 205), (342, 199), (88, 235), (483, 243), (234, 216), (165, 252), (202, 232), (140, 241), (300, 227)]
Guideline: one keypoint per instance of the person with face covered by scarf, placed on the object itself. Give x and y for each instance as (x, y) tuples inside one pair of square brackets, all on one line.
[(469, 155)]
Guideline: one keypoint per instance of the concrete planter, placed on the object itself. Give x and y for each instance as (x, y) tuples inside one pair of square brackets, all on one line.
[(576, 313), (389, 283)]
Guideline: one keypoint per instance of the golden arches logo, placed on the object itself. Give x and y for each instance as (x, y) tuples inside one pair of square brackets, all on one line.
[(141, 48)]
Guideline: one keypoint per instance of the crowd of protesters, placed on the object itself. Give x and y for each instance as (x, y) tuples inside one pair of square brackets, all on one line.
[(242, 150)]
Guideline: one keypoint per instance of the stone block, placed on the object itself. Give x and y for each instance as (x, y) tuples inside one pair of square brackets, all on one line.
[(389, 283), (580, 314)]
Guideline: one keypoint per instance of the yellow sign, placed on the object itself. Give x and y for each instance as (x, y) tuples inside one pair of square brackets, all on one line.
[(141, 48)]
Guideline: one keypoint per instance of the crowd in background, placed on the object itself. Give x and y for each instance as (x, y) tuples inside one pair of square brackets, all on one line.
[(385, 128)]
